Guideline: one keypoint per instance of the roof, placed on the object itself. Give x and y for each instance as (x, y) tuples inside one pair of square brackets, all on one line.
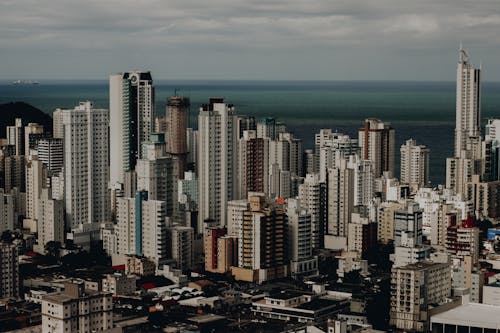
[(57, 298), (208, 318), (471, 314), (284, 295), (317, 304)]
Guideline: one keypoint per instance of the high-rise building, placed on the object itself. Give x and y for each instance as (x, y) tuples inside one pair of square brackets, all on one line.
[(460, 172), (32, 133), (468, 103), (299, 224), (158, 173), (8, 217), (221, 251), (253, 164), (270, 128), (414, 164), (14, 167), (386, 210), (413, 288), (332, 147), (50, 152), (142, 227), (50, 220), (180, 239), (235, 210), (246, 123), (263, 241), (312, 196), (210, 239), (408, 236), (362, 233), (485, 197), (57, 124), (36, 180), (192, 143), (15, 136), (131, 104), (9, 271), (286, 151), (463, 240), (340, 198), (408, 226), (178, 120), (376, 140), (86, 169), (217, 160), (491, 147)]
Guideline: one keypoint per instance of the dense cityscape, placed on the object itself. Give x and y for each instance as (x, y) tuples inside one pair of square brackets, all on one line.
[(132, 219)]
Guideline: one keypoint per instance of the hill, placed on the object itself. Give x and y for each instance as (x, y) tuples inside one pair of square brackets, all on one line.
[(10, 111)]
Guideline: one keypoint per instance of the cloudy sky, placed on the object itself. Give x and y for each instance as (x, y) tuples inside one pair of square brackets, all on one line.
[(248, 39)]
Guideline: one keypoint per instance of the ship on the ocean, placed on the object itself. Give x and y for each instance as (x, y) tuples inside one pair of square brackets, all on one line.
[(25, 82)]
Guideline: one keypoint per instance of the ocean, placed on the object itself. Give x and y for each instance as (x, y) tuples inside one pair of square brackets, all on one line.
[(424, 111)]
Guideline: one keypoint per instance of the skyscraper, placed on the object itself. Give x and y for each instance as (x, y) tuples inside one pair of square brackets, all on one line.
[(86, 168), (15, 136), (468, 103), (157, 173), (142, 227), (300, 245), (178, 117), (131, 103), (253, 164), (50, 152), (263, 241), (376, 140), (340, 198), (414, 164), (217, 160)]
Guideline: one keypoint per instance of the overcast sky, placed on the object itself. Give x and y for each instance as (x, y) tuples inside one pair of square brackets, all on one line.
[(248, 39)]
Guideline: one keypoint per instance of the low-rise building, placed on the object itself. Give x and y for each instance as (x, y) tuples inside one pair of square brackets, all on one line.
[(139, 266), (298, 306), (77, 310), (469, 317), (119, 284)]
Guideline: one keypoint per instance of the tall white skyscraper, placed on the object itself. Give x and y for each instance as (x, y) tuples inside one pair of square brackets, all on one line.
[(86, 168), (414, 164), (340, 198), (131, 103), (331, 147), (468, 103), (217, 160), (300, 245), (312, 196)]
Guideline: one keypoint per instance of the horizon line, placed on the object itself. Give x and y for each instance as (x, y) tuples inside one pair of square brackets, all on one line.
[(11, 80)]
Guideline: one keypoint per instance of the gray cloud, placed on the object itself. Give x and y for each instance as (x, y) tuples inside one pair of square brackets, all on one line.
[(314, 39)]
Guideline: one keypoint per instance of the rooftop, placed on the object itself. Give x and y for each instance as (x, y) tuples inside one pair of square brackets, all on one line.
[(284, 295), (471, 314), (317, 304), (208, 318)]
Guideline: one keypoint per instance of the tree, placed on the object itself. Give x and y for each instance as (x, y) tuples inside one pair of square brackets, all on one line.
[(52, 248)]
